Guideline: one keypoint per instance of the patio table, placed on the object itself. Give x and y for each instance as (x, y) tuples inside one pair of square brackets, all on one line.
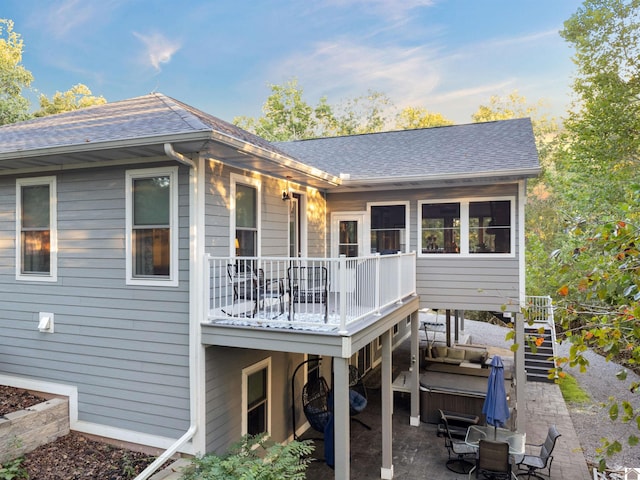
[(516, 440)]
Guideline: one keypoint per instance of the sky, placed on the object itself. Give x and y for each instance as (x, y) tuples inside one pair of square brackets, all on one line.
[(221, 56)]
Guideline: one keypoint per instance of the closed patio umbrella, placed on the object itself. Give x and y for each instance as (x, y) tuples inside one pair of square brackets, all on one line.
[(496, 408)]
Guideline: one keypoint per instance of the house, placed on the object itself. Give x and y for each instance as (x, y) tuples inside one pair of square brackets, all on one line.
[(153, 258)]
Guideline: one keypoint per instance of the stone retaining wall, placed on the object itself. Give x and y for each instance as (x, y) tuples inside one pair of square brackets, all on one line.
[(26, 430)]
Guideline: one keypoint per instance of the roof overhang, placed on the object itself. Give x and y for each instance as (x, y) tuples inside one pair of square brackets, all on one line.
[(213, 145), (435, 180)]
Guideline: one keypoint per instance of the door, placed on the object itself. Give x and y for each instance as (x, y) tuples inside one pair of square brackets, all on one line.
[(294, 227), (347, 239), (347, 234)]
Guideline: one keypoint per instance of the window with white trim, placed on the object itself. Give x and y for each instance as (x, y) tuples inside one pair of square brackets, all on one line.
[(152, 226), (467, 227), (389, 227), (256, 398), (36, 229), (245, 215)]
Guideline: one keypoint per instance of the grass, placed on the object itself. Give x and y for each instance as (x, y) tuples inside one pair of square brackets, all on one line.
[(572, 392)]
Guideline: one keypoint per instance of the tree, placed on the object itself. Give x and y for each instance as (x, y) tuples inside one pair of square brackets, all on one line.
[(596, 185), (78, 96), (286, 115), (13, 76), (419, 117)]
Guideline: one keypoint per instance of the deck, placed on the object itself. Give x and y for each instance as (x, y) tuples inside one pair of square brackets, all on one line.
[(321, 295)]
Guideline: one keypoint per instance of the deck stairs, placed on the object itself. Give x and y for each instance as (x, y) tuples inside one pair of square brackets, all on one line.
[(540, 347)]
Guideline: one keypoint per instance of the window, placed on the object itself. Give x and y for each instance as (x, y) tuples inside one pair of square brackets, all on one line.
[(36, 229), (152, 237), (256, 393), (469, 227), (388, 228), (245, 193)]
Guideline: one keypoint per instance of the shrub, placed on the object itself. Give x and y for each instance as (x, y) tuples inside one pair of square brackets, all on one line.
[(255, 458)]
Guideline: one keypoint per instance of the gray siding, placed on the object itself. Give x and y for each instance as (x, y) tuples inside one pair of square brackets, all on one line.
[(224, 393), (274, 221), (462, 283), (124, 347)]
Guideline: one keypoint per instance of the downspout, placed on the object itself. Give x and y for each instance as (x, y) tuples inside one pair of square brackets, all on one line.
[(194, 280)]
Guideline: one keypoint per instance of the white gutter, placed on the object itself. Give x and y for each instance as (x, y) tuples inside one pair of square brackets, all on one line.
[(195, 280), (521, 172)]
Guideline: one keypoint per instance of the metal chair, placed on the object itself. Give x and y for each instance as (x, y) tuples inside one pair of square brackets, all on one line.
[(533, 463), (250, 285), (457, 464), (493, 460), (308, 285)]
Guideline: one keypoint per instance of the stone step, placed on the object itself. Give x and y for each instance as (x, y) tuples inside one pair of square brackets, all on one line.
[(538, 364), (539, 377), (173, 472)]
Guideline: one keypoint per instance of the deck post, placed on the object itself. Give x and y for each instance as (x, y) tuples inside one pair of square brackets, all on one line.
[(343, 294), (414, 420), (520, 374), (386, 470), (341, 416)]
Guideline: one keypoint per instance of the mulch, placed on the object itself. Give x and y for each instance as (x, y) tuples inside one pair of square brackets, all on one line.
[(73, 456)]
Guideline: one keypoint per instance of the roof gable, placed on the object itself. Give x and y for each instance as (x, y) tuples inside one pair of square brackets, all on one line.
[(134, 120)]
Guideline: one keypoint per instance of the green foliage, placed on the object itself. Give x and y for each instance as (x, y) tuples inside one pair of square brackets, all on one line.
[(288, 116), (571, 391), (78, 96), (253, 457), (418, 117), (13, 470), (14, 78)]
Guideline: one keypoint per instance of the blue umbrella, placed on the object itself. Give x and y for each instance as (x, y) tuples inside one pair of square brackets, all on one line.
[(496, 408)]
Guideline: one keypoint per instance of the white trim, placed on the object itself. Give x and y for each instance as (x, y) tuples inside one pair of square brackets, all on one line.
[(522, 201), (256, 367), (407, 222), (236, 178), (361, 218), (52, 276), (130, 175), (464, 227), (302, 207)]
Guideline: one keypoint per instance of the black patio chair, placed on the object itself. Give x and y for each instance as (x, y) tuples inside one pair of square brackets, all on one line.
[(249, 284), (308, 285), (493, 460), (457, 449), (533, 463), (315, 403)]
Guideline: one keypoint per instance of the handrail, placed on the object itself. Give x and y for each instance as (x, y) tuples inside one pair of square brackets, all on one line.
[(252, 290), (540, 310)]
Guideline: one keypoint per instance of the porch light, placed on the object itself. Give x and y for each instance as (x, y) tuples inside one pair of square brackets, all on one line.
[(286, 194)]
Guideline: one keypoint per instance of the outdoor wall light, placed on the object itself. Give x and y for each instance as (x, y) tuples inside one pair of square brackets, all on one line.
[(286, 194)]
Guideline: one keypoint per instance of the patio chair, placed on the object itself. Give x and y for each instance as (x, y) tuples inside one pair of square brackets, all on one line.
[(315, 403), (457, 449), (493, 460), (250, 285), (308, 285), (357, 395), (533, 463)]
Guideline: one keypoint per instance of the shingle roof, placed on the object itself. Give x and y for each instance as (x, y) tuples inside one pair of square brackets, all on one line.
[(153, 115), (492, 147)]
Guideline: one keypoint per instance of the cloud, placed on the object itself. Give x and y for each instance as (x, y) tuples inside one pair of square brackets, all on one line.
[(345, 69), (159, 48), (384, 8), (68, 16)]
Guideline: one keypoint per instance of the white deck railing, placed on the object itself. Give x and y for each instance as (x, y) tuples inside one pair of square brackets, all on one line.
[(539, 309), (306, 293)]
